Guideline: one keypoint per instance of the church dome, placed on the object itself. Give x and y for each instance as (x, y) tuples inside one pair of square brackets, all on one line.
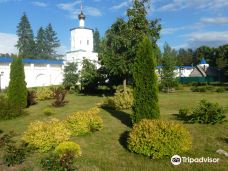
[(81, 16)]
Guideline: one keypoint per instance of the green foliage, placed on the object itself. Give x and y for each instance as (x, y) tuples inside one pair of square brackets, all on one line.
[(89, 76), (220, 90), (59, 95), (168, 79), (145, 87), (25, 43), (81, 123), (48, 111), (121, 100), (158, 138), (205, 88), (31, 98), (71, 75), (8, 110), (68, 147), (207, 112), (41, 44), (46, 135), (96, 39), (17, 92), (183, 114), (14, 155), (44, 93), (54, 162)]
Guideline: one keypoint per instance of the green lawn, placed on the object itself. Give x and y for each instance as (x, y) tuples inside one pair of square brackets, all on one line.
[(106, 150)]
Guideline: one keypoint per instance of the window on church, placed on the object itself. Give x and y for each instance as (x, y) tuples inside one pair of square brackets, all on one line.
[(80, 42), (87, 42)]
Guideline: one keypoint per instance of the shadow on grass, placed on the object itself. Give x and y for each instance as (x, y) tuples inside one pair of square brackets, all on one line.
[(123, 139), (122, 116)]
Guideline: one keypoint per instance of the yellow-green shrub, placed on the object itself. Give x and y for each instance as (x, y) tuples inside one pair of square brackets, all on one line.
[(84, 122), (121, 100), (46, 135), (68, 147), (44, 93), (158, 138)]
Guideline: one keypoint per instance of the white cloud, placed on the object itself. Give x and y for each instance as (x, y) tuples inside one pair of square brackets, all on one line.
[(8, 42), (215, 20), (121, 5), (212, 39), (39, 4), (74, 10), (176, 5)]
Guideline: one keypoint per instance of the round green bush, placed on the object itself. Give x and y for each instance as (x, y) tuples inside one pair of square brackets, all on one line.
[(68, 147), (158, 138)]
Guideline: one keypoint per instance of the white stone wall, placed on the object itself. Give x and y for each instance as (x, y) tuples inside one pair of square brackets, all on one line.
[(36, 75), (82, 39)]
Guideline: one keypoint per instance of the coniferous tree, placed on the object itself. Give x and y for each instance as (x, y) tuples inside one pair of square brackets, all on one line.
[(17, 92), (25, 43), (145, 87), (52, 42), (41, 44), (168, 76), (96, 39)]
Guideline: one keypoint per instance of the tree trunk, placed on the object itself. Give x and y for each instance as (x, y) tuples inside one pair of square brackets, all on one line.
[(124, 84)]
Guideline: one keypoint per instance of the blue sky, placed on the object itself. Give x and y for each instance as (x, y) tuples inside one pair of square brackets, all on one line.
[(185, 23)]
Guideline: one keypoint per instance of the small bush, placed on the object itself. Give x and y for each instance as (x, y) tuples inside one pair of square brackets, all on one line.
[(84, 122), (158, 138), (14, 155), (183, 113), (207, 112), (59, 96), (55, 162), (31, 98), (121, 100), (46, 135), (68, 147), (48, 111), (8, 110), (220, 90), (6, 139), (44, 93)]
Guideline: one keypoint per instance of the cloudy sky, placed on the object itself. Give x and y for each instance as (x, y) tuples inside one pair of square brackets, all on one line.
[(185, 23)]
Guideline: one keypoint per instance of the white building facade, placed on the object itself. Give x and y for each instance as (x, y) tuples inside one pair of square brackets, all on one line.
[(81, 43)]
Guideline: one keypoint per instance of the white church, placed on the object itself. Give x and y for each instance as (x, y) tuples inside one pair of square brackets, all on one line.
[(50, 72)]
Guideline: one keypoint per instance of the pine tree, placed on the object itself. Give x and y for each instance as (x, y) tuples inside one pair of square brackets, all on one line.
[(17, 92), (25, 43), (41, 44), (145, 87), (52, 42)]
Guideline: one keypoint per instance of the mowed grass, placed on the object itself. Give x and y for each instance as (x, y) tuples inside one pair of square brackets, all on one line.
[(106, 150)]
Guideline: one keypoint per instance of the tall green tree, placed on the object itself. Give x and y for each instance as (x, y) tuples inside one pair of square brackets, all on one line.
[(52, 42), (96, 39), (25, 43), (41, 44), (207, 53), (71, 76), (185, 57), (168, 79), (17, 92), (89, 76), (145, 87)]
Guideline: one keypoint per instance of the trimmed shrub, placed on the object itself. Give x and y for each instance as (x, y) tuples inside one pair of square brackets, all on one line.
[(121, 100), (17, 92), (46, 135), (44, 93), (145, 83), (84, 122), (68, 147), (183, 113), (48, 111), (158, 138), (207, 112)]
